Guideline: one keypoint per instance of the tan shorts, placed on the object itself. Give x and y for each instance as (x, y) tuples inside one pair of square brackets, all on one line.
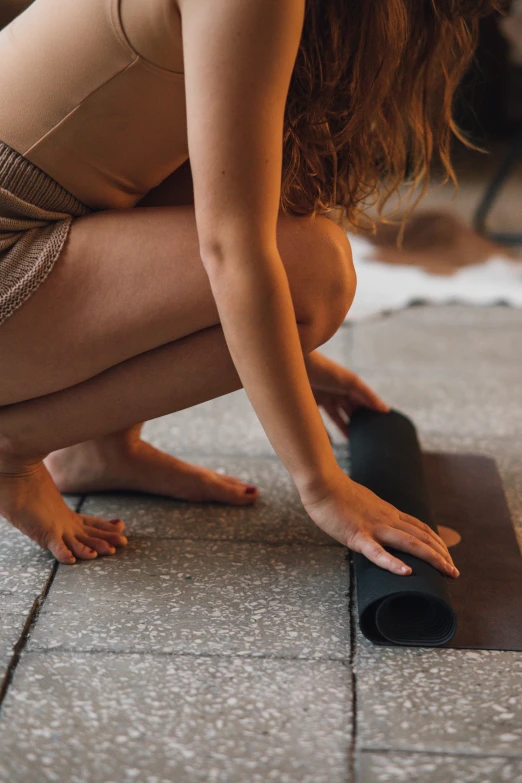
[(92, 116)]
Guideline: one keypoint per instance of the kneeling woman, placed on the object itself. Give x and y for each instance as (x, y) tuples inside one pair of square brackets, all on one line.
[(165, 171)]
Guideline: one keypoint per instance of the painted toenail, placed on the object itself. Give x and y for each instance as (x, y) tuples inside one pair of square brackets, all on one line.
[(115, 521), (250, 490)]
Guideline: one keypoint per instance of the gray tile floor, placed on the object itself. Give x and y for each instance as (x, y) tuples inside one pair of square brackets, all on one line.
[(218, 646)]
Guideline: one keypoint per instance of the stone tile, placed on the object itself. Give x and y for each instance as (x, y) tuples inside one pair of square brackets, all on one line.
[(25, 569), (466, 405), (461, 315), (228, 425), (277, 515), (457, 376), (441, 338), (24, 566), (119, 718), (435, 768), (73, 501), (12, 622), (439, 700), (202, 597), (339, 347)]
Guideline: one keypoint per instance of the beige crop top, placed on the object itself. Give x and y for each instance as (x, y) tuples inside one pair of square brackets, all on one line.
[(92, 92)]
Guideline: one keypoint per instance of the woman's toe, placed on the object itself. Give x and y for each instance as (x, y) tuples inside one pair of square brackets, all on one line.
[(113, 539), (78, 548), (225, 491), (99, 545), (61, 552), (232, 479), (111, 526)]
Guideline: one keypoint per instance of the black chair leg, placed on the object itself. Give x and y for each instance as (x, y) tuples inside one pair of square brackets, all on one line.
[(492, 191)]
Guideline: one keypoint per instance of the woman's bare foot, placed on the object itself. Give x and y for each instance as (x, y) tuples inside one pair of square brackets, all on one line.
[(31, 502), (133, 464)]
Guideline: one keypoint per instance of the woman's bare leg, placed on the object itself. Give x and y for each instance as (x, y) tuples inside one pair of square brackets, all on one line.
[(121, 459), (132, 389)]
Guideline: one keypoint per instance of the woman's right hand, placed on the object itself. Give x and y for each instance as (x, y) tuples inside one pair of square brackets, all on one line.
[(357, 518)]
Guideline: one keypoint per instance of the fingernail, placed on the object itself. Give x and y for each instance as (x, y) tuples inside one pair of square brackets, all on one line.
[(115, 521), (250, 490), (405, 569), (92, 551)]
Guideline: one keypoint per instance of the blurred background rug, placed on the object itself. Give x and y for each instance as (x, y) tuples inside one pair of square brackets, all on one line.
[(442, 261)]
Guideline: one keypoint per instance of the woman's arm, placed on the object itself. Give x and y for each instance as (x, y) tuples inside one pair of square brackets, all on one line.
[(239, 57)]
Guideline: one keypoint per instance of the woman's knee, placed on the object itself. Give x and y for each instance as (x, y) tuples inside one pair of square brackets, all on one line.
[(321, 274), (338, 273)]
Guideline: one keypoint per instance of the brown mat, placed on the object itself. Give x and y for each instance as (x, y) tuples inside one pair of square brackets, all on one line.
[(467, 496)]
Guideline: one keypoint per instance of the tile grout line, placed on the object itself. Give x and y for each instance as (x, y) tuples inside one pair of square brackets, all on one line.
[(29, 623), (352, 773), (22, 641), (289, 543), (185, 654), (450, 753)]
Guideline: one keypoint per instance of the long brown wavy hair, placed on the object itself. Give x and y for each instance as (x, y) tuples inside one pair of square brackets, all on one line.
[(370, 101)]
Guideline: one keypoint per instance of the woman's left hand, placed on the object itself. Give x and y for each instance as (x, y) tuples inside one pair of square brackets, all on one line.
[(339, 390)]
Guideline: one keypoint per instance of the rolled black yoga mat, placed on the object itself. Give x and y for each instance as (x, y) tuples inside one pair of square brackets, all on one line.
[(462, 492), (412, 610)]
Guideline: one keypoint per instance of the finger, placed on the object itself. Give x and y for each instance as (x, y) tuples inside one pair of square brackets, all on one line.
[(354, 401), (371, 549), (333, 412), (411, 544), (423, 536), (422, 531), (424, 527), (367, 396)]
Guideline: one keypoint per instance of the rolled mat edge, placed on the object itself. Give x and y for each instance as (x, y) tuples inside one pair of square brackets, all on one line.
[(412, 610)]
